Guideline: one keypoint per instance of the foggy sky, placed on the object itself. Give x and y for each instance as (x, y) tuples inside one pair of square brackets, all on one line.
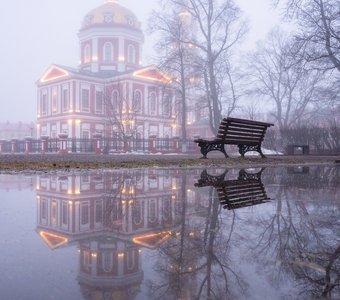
[(37, 33)]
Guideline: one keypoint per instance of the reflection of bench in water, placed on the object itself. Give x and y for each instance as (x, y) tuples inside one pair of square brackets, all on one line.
[(247, 190)]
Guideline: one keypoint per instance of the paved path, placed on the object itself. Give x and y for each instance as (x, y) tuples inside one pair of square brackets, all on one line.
[(37, 162)]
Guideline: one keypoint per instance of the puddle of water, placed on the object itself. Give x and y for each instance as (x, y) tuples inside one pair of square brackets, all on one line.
[(171, 234)]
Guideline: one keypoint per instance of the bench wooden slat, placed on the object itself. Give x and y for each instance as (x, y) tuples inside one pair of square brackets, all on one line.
[(242, 140), (244, 198), (244, 202), (242, 192), (240, 205), (243, 129), (242, 189), (244, 121), (235, 141), (247, 134), (245, 126), (256, 189)]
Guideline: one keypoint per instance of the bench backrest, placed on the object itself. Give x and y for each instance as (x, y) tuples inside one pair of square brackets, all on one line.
[(233, 129), (247, 190), (240, 193)]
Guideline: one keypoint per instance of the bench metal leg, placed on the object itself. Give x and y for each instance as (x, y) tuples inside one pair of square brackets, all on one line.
[(244, 175), (242, 149), (206, 147)]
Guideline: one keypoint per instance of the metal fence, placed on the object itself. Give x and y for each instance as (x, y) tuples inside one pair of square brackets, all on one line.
[(101, 145)]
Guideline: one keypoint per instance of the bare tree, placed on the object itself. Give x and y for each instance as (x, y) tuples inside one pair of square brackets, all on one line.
[(318, 36), (299, 238), (283, 80), (174, 55), (119, 112), (217, 29)]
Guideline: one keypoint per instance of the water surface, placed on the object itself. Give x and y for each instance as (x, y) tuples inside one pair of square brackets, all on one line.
[(269, 233)]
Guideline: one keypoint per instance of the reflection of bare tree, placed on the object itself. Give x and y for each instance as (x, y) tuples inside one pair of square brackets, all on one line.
[(194, 263), (302, 235)]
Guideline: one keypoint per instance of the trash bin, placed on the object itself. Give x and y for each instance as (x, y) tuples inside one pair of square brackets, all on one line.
[(297, 150)]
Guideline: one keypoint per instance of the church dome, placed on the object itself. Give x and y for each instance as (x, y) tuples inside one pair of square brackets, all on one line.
[(111, 14)]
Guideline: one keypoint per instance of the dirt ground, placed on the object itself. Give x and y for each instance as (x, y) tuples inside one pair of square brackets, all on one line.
[(14, 163)]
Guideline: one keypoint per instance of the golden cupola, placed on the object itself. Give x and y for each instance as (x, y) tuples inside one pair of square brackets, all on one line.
[(111, 39)]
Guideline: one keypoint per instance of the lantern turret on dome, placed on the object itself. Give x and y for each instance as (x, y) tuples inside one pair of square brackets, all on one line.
[(111, 39)]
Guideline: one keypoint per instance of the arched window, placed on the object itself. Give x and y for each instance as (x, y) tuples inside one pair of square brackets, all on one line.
[(137, 214), (107, 261), (152, 103), (115, 101), (108, 52), (166, 105), (152, 211), (137, 101), (87, 54), (130, 259), (166, 211), (131, 54)]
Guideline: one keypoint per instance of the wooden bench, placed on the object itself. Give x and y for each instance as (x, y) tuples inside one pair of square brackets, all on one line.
[(247, 190), (246, 134)]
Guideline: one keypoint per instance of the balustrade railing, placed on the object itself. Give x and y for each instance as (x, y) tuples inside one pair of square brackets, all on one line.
[(98, 145)]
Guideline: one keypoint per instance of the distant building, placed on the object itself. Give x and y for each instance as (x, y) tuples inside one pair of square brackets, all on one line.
[(110, 93), (16, 130)]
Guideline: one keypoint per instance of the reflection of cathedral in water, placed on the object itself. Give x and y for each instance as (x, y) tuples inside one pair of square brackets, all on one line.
[(111, 217)]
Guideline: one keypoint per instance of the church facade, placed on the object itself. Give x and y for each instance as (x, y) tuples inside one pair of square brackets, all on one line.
[(110, 93)]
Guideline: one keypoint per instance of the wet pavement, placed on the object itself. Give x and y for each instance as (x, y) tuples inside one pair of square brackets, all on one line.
[(42, 162)]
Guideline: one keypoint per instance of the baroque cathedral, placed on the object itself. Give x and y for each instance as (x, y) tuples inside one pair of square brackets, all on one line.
[(110, 93)]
